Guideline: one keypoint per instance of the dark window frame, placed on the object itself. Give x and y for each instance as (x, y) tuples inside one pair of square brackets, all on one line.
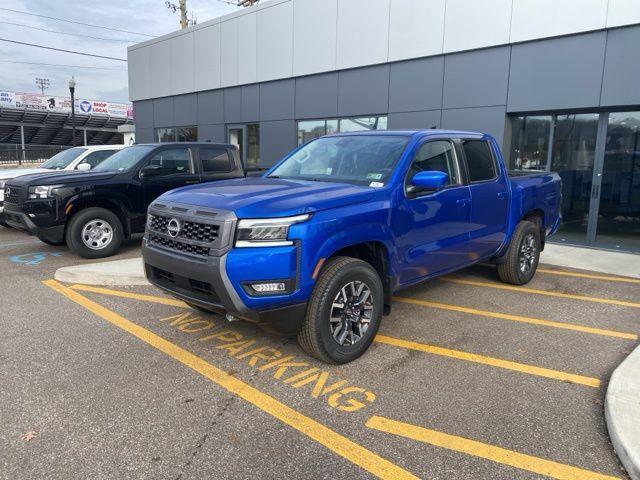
[(496, 165)]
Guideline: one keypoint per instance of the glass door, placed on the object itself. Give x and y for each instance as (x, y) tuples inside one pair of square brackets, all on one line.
[(618, 207), (247, 139), (236, 136)]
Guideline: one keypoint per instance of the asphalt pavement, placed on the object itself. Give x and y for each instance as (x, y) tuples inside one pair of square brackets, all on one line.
[(468, 379)]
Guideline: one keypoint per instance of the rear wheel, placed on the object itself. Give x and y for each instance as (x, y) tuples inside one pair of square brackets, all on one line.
[(521, 259), (95, 233), (344, 311)]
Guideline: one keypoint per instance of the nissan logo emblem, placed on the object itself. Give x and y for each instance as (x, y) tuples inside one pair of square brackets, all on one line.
[(173, 227)]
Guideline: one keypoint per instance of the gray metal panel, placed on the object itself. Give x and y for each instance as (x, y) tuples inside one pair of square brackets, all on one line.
[(163, 112), (185, 110), (414, 120), (277, 138), (277, 100), (143, 113), (484, 119), (210, 107), (476, 79), (250, 109), (232, 105), (144, 135), (558, 73), (363, 91), (622, 68), (213, 133), (317, 96), (416, 85)]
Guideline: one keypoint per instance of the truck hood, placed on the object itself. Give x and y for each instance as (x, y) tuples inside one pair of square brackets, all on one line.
[(269, 197), (18, 172), (61, 177)]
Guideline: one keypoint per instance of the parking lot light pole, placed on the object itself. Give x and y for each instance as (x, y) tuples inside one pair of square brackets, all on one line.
[(72, 89)]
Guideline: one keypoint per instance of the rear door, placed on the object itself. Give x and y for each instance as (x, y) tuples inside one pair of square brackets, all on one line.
[(177, 169), (489, 198), (217, 163)]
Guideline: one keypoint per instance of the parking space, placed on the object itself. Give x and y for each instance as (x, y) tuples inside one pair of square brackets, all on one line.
[(466, 379)]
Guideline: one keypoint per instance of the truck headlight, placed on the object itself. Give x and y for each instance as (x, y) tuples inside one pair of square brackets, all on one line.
[(40, 191), (266, 232)]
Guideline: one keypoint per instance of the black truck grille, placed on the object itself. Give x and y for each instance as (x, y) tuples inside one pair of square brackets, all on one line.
[(12, 194), (188, 286), (179, 246), (202, 232)]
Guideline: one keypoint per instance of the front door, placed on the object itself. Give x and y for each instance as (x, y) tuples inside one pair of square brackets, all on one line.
[(432, 228), (176, 170)]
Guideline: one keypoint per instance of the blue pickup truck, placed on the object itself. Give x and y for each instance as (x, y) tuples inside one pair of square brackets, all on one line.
[(318, 245)]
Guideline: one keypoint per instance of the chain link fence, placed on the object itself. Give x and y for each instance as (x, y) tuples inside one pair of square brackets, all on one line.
[(31, 154)]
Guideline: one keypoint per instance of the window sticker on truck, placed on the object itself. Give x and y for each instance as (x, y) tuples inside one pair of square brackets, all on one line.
[(376, 184), (374, 176)]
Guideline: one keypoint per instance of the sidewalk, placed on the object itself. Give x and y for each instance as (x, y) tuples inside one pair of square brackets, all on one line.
[(614, 263)]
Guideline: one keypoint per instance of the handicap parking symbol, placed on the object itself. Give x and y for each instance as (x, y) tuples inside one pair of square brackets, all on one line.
[(34, 258)]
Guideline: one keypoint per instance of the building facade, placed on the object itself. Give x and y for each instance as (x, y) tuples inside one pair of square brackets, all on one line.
[(557, 82)]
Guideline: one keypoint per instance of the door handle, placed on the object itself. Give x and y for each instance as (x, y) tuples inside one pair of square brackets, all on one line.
[(190, 182), (502, 195), (461, 201)]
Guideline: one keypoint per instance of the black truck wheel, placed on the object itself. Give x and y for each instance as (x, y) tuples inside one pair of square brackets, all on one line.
[(94, 233), (521, 260), (344, 311)]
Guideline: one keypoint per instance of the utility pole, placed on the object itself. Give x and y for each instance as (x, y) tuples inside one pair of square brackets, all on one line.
[(185, 21), (42, 83)]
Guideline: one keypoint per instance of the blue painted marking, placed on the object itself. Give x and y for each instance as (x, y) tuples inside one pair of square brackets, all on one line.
[(15, 244), (35, 258)]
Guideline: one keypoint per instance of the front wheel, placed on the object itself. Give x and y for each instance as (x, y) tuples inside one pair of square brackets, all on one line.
[(95, 233), (344, 311), (522, 257)]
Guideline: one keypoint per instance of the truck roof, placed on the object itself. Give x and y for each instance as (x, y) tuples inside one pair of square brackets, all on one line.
[(182, 144), (411, 133)]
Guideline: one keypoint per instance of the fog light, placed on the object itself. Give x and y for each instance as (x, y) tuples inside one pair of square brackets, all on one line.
[(269, 287)]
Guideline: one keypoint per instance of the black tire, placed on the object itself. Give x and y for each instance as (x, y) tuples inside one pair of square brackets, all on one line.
[(81, 220), (315, 334), (522, 257)]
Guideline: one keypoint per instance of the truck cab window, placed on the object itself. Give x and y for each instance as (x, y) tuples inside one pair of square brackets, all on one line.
[(480, 162), (438, 156), (215, 160), (173, 161), (95, 158)]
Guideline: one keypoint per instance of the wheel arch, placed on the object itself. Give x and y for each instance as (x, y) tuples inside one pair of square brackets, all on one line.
[(117, 209)]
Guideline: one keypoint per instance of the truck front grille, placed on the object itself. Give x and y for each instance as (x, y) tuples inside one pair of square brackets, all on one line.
[(188, 286), (202, 232), (179, 246), (12, 194)]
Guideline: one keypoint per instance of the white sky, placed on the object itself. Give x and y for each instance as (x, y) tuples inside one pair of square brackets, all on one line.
[(144, 16)]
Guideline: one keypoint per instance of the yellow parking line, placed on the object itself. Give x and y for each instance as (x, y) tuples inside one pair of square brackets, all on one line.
[(330, 439), (589, 275), (518, 318), (514, 288), (494, 362), (483, 450), (135, 296)]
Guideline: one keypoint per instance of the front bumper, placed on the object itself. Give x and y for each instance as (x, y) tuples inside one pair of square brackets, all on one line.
[(16, 218), (205, 283)]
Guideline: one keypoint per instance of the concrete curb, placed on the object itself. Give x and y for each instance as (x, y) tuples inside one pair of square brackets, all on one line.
[(115, 273), (622, 412)]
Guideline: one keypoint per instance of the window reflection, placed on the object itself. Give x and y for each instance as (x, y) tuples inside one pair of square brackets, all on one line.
[(177, 134), (310, 129), (530, 142)]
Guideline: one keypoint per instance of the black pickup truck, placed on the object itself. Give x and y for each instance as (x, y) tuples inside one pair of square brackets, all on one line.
[(93, 212)]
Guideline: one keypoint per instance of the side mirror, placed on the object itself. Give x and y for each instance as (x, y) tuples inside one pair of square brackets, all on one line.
[(428, 181), (150, 171), (84, 167)]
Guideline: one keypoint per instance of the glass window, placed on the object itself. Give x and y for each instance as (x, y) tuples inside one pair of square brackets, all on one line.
[(479, 160), (96, 158), (63, 159), (215, 159), (310, 129), (363, 123), (530, 142), (355, 159), (253, 145), (439, 156), (166, 134), (124, 159), (187, 134), (173, 161)]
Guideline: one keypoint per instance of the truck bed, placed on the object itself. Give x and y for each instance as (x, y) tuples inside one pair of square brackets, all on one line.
[(535, 190)]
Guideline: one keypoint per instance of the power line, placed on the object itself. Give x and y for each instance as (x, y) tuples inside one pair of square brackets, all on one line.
[(128, 40), (74, 21), (64, 65), (62, 50)]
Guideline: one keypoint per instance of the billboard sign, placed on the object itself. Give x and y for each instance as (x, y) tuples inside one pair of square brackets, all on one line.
[(44, 103)]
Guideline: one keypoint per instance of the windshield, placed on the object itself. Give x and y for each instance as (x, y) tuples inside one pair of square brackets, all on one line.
[(62, 160), (125, 159), (357, 159)]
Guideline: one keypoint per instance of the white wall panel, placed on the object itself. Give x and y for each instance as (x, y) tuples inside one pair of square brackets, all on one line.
[(623, 12), (416, 28), (275, 41), (363, 27), (476, 23), (229, 53), (139, 78), (207, 58), (182, 64), (247, 48), (314, 36), (533, 19), (160, 69)]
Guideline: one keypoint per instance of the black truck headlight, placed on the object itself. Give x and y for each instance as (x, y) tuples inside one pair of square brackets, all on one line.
[(41, 191), (266, 232)]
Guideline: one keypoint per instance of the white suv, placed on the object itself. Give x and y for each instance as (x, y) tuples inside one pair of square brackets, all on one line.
[(76, 158)]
